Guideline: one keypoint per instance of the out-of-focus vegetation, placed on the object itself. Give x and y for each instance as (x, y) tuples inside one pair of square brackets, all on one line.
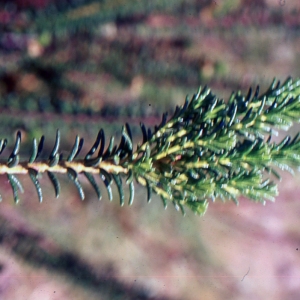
[(100, 57)]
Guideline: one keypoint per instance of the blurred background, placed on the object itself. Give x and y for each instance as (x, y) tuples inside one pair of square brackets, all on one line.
[(82, 65)]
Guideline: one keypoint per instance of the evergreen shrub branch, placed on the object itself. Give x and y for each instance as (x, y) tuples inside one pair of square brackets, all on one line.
[(208, 149)]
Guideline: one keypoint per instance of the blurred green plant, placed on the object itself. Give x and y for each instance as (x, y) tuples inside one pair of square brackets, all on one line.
[(208, 149)]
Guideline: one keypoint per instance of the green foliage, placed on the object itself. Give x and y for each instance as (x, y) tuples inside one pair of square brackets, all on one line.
[(208, 149)]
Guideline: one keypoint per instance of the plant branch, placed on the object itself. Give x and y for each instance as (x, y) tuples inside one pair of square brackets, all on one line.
[(207, 149)]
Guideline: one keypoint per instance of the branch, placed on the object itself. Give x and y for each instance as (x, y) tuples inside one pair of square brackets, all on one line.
[(207, 149)]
